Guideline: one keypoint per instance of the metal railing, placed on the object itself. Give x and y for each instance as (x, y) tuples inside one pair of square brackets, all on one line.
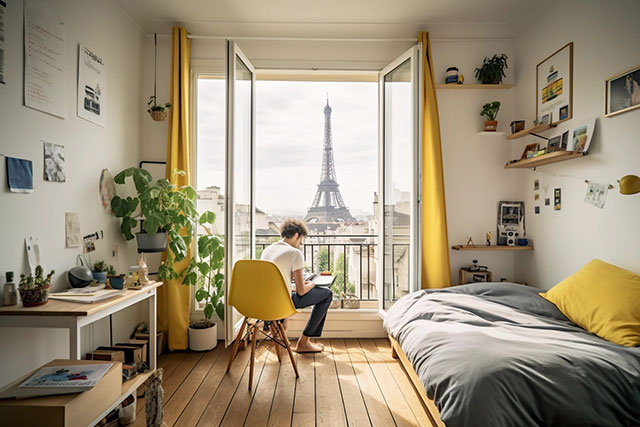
[(361, 251)]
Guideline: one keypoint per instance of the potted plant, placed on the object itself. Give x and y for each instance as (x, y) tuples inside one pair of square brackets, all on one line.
[(100, 270), (167, 213), (34, 291), (157, 112), (490, 111), (492, 70), (116, 281), (206, 275)]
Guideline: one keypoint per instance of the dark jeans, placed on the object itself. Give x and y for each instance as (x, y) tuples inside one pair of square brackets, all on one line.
[(320, 299)]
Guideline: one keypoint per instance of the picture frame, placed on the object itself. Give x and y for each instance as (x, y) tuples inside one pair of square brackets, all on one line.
[(554, 85), (554, 143), (579, 139), (529, 148), (622, 92)]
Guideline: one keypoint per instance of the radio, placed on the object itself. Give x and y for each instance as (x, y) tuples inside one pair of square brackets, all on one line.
[(510, 223)]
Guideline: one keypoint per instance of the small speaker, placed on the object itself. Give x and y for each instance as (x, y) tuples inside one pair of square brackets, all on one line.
[(512, 237)]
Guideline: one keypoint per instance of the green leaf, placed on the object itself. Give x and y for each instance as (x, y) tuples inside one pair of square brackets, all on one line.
[(151, 224), (208, 311), (189, 191), (203, 246), (201, 294), (203, 267), (141, 178), (207, 217), (127, 224), (220, 311)]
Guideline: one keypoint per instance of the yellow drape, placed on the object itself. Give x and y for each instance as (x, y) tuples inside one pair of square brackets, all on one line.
[(436, 271), (174, 297)]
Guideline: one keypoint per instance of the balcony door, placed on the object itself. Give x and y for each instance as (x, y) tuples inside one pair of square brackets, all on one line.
[(240, 149), (398, 216)]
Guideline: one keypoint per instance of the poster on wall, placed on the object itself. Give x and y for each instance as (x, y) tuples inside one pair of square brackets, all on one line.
[(3, 8), (44, 88), (92, 86), (554, 87), (622, 92)]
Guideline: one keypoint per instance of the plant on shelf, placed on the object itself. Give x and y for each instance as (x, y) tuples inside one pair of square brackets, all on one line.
[(492, 69), (34, 290), (167, 213), (207, 277), (100, 271), (157, 111), (490, 111)]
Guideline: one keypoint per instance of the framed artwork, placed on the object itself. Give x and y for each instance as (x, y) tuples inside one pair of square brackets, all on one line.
[(554, 85), (622, 92), (580, 136), (529, 148)]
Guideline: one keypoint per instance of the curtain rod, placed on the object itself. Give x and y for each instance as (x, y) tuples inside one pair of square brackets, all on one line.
[(296, 39)]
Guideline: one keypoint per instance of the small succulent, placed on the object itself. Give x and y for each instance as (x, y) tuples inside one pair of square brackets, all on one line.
[(155, 107), (110, 270), (101, 267), (37, 281)]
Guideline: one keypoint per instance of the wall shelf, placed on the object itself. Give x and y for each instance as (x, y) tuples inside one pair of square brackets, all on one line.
[(483, 133), (530, 130), (491, 248), (545, 159), (473, 86)]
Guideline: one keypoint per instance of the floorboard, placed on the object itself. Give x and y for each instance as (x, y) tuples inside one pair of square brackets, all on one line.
[(354, 382)]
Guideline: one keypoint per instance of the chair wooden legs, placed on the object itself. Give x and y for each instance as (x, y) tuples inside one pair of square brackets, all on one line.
[(283, 335), (253, 352), (275, 334), (236, 344)]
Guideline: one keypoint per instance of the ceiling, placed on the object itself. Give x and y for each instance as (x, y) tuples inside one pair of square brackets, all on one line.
[(337, 18)]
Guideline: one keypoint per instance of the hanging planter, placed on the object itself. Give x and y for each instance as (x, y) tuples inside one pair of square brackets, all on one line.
[(155, 110)]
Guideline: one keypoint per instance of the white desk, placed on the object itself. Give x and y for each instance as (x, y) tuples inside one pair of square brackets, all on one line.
[(73, 316)]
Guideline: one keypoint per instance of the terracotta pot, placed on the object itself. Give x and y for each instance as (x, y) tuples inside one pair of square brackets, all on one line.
[(158, 116), (32, 297), (490, 125)]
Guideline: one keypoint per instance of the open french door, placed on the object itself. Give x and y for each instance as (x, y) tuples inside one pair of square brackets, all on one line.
[(400, 169), (240, 154)]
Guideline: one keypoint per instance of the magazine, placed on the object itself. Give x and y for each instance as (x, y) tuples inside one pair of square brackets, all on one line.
[(70, 376)]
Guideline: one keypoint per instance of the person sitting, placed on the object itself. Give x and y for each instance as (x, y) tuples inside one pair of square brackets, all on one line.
[(286, 254)]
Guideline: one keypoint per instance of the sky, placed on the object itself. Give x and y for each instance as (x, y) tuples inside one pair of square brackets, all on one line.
[(289, 138)]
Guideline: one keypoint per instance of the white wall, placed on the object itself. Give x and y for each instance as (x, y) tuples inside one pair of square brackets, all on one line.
[(109, 32), (605, 39)]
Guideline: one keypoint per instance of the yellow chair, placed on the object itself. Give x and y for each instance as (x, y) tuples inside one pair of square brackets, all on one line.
[(259, 292)]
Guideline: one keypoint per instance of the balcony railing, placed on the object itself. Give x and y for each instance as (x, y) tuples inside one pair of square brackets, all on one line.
[(351, 257)]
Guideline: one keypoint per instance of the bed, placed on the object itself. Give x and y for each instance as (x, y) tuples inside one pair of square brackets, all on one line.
[(498, 354)]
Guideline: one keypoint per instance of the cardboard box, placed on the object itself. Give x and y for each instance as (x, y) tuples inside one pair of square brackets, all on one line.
[(64, 410), (132, 354), (117, 355), (138, 343), (159, 340)]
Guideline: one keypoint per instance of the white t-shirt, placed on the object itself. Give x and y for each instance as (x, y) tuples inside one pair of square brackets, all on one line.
[(286, 257)]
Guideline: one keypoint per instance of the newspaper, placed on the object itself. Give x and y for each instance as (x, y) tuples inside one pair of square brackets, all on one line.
[(3, 8), (70, 376)]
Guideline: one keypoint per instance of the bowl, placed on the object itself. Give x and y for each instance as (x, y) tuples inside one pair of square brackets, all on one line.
[(79, 277)]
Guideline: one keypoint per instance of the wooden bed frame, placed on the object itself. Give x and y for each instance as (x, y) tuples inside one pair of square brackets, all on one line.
[(429, 406)]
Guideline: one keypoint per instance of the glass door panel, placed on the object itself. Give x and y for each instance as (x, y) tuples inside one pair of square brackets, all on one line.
[(240, 155), (399, 184)]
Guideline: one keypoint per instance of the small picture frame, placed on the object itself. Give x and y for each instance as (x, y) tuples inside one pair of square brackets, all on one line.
[(554, 143), (529, 148), (622, 92), (545, 120)]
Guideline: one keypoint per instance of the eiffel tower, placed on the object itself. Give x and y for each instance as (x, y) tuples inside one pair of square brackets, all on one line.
[(328, 206)]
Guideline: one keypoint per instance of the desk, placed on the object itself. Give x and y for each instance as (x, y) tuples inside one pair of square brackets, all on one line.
[(73, 316)]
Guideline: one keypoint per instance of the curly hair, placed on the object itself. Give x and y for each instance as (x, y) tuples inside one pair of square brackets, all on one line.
[(292, 226)]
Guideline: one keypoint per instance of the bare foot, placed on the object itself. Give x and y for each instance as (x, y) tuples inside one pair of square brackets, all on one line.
[(308, 347)]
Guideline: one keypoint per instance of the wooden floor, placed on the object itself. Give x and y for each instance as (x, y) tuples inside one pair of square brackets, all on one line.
[(354, 382)]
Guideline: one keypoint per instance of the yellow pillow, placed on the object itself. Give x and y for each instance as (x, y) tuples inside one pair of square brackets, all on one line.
[(603, 299)]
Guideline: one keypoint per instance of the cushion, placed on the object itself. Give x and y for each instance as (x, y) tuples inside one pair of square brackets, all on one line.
[(603, 299)]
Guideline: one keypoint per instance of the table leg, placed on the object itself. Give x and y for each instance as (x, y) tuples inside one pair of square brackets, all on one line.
[(153, 335), (74, 339)]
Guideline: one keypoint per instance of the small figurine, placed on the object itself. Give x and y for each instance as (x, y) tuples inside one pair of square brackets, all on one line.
[(452, 76), (143, 271), (470, 241), (488, 238)]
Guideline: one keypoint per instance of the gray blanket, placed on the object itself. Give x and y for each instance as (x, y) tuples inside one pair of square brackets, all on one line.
[(498, 354)]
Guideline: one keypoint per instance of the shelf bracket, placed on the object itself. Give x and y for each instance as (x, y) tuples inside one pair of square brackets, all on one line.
[(539, 136)]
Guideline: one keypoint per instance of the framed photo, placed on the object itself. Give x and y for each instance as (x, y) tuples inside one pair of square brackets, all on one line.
[(580, 136), (622, 92), (529, 148), (554, 143), (554, 85)]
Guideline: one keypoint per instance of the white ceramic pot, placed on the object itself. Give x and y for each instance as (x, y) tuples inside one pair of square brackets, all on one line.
[(203, 339)]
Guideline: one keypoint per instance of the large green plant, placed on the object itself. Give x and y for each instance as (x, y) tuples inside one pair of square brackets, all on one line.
[(490, 110), (206, 273), (162, 207), (492, 69)]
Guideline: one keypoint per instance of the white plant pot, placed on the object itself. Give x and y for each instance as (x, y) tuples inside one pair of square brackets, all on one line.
[(203, 339)]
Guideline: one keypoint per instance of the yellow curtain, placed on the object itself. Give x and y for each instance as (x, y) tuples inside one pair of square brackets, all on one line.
[(174, 297), (436, 271)]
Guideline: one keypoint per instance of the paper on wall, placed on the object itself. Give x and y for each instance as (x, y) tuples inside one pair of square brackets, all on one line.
[(72, 229), (92, 86), (44, 59), (596, 194), (32, 245)]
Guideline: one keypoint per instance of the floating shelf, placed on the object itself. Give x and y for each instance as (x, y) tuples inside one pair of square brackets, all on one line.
[(491, 248), (473, 86), (545, 159), (491, 133), (530, 130)]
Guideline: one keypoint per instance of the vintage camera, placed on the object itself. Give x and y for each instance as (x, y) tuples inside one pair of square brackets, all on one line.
[(510, 223)]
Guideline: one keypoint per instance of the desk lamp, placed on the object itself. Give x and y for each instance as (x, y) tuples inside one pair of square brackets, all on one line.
[(629, 184)]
